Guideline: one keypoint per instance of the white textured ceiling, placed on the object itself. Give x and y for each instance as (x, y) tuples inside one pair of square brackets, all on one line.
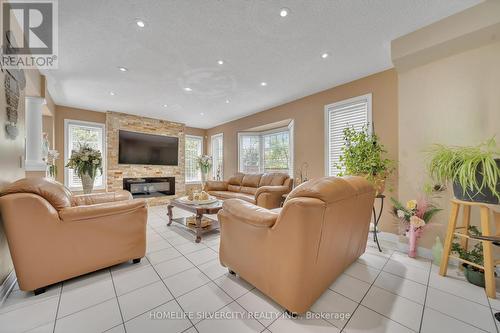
[(183, 39)]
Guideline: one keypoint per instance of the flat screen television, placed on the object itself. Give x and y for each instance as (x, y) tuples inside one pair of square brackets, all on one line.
[(140, 148)]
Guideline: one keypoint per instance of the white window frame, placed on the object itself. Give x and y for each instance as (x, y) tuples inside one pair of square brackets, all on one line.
[(289, 128), (214, 169), (367, 98), (202, 143), (67, 151)]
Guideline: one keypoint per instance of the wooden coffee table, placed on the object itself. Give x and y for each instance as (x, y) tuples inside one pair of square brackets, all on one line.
[(199, 211)]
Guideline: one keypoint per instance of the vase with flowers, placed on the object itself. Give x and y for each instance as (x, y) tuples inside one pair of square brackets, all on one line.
[(414, 216), (86, 162), (204, 162)]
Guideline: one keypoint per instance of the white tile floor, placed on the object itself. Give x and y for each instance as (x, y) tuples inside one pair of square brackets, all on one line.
[(381, 292)]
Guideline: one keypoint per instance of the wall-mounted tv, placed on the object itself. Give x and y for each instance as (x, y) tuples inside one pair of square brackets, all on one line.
[(140, 148)]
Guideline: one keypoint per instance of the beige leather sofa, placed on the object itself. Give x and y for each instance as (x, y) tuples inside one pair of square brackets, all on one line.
[(54, 236), (264, 190), (294, 254)]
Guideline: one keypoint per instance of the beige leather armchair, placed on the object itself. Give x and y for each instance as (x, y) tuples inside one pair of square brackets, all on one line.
[(54, 236), (294, 254)]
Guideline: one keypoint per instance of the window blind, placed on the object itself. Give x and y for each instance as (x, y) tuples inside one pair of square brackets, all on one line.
[(193, 149), (218, 156), (356, 113)]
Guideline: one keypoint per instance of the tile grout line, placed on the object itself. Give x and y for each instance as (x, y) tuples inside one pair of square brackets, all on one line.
[(117, 300), (57, 309), (425, 299), (492, 313)]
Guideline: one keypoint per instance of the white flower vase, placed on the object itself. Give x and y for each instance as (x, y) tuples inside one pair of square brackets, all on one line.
[(203, 180), (87, 183)]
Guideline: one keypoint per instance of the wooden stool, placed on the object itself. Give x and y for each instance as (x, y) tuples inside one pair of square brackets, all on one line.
[(489, 262)]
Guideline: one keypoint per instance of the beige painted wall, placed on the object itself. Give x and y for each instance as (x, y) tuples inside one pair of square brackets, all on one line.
[(62, 113), (455, 101), (308, 116)]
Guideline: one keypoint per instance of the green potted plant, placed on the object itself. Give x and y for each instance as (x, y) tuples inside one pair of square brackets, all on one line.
[(86, 161), (475, 255), (362, 155), (473, 171)]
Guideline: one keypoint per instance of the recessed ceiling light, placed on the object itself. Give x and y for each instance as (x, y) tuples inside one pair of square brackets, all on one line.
[(227, 101), (123, 69), (112, 93), (202, 114), (165, 105), (188, 89), (284, 12), (325, 55), (263, 84), (220, 62), (140, 23)]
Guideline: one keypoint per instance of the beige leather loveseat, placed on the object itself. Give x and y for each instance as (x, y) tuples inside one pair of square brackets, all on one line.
[(294, 255), (54, 236), (264, 190)]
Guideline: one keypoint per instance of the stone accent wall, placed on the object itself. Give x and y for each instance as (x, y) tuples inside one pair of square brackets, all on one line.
[(116, 172)]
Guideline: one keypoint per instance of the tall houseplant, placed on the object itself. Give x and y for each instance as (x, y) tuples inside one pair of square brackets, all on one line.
[(86, 162), (362, 155), (473, 171)]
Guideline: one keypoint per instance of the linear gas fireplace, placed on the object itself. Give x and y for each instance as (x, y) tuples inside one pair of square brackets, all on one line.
[(147, 187)]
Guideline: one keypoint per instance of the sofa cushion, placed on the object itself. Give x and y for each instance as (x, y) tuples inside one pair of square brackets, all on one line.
[(273, 179), (236, 179), (233, 195), (251, 180), (55, 193), (233, 188), (248, 190)]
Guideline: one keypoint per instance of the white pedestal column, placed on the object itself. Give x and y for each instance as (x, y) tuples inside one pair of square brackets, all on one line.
[(34, 117)]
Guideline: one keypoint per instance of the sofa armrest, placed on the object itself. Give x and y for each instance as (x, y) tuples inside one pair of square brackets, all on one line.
[(270, 196), (215, 185), (80, 213), (98, 198), (242, 211)]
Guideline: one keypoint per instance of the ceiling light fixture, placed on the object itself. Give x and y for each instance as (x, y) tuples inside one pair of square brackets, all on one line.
[(220, 62), (188, 89), (165, 105), (112, 93), (263, 84), (325, 55), (284, 12), (227, 101), (140, 23), (123, 69), (202, 114)]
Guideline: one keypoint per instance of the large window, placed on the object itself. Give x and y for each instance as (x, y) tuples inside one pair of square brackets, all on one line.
[(270, 151), (77, 133), (193, 149), (217, 142), (355, 112)]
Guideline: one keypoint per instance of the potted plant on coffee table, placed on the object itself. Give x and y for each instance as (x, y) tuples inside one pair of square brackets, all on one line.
[(363, 155), (86, 162), (473, 171)]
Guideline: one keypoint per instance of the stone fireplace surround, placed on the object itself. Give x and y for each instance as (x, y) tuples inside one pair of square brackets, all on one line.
[(116, 121)]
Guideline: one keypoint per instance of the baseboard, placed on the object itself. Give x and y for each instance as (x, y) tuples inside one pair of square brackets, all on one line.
[(7, 286)]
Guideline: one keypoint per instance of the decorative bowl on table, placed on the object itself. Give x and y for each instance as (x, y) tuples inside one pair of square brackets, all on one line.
[(198, 201)]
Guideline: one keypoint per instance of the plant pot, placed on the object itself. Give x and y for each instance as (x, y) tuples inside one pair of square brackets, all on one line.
[(87, 183), (475, 277), (485, 196)]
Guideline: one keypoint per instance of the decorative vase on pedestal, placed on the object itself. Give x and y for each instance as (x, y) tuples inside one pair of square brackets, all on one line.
[(87, 183), (414, 233)]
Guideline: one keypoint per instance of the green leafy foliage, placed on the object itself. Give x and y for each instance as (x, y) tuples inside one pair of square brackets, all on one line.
[(474, 255), (85, 160), (362, 154), (462, 164)]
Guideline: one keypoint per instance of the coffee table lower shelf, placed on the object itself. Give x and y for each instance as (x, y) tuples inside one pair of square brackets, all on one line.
[(182, 221)]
